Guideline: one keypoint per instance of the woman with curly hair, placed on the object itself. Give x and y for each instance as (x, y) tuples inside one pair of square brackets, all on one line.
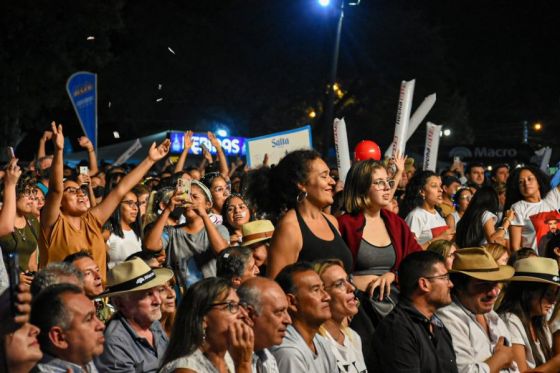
[(529, 195), (423, 195), (299, 188)]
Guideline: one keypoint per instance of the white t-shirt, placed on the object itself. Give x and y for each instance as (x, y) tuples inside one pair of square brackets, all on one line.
[(519, 336), (425, 225), (487, 216), (198, 362), (532, 217), (349, 357), (121, 248)]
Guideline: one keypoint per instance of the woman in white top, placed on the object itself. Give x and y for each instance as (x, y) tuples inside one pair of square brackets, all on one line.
[(209, 321), (461, 200), (525, 190), (125, 238), (528, 299), (344, 343), (423, 195), (479, 224)]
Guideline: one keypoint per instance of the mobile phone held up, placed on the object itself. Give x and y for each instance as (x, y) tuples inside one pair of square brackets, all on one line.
[(184, 186), (84, 170)]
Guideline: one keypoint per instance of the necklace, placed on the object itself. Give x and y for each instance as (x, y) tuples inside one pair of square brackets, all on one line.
[(21, 233)]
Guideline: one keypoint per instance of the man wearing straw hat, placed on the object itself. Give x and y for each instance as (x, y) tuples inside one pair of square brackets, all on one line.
[(256, 236), (481, 340), (134, 338)]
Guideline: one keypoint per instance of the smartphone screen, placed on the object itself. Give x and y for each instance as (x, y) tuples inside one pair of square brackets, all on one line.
[(12, 267), (84, 170)]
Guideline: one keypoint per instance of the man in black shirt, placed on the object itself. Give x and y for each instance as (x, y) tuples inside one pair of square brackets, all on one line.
[(411, 338)]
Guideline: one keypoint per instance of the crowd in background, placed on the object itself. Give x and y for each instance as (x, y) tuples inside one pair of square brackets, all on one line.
[(208, 266)]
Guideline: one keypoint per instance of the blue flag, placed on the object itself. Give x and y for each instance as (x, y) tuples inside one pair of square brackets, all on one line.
[(82, 89)]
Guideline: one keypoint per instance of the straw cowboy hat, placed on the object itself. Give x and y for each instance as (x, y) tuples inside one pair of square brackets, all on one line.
[(134, 275), (477, 263), (257, 231), (537, 269)]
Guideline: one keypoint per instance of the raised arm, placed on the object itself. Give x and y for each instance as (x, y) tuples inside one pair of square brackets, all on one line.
[(399, 162), (8, 212), (104, 210), (51, 210), (221, 155), (92, 157), (47, 135), (152, 239), (183, 157)]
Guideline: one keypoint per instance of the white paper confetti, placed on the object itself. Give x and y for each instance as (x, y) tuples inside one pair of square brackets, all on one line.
[(159, 99), (159, 86), (91, 37), (109, 105), (171, 50)]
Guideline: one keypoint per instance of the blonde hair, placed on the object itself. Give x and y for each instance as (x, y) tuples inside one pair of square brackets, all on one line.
[(441, 247), (356, 187), (496, 250)]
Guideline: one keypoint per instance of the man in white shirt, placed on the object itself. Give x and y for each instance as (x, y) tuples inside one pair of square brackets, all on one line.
[(303, 349), (481, 340)]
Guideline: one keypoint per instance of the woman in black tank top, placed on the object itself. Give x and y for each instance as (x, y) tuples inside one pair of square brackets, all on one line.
[(301, 184), (315, 248)]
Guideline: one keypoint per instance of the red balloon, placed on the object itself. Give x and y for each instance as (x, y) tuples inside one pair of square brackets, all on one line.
[(367, 149)]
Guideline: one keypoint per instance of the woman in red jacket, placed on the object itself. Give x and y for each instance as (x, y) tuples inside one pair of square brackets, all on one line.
[(377, 238)]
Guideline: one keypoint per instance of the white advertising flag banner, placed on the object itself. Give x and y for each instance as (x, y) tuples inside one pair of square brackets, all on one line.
[(277, 145), (341, 145), (432, 145), (136, 145), (417, 118), (403, 117)]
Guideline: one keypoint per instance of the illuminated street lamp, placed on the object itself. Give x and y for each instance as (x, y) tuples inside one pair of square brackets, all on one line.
[(329, 109), (537, 126)]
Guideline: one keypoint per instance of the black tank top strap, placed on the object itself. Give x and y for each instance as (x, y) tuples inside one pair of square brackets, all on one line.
[(314, 248)]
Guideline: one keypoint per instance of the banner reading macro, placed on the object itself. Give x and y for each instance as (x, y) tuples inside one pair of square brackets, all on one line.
[(82, 90), (277, 145)]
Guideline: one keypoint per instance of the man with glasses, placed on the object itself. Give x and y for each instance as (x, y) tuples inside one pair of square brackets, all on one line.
[(481, 340), (411, 338), (134, 338), (267, 308), (303, 349)]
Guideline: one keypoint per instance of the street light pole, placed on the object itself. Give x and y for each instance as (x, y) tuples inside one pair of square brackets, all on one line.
[(329, 109)]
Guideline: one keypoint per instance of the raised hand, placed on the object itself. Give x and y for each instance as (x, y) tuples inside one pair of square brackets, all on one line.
[(213, 140), (241, 341), (13, 172), (57, 136), (188, 139), (157, 153), (47, 135), (83, 179), (85, 143)]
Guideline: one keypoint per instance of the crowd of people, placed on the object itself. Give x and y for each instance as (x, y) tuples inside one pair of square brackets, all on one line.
[(204, 266)]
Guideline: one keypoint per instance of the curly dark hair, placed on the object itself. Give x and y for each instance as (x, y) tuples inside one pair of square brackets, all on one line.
[(274, 190), (513, 193), (412, 197)]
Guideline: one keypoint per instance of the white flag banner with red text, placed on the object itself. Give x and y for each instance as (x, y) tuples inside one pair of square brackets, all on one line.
[(341, 145), (432, 145), (403, 117)]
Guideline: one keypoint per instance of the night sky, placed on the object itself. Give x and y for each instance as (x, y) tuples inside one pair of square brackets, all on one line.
[(261, 66)]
